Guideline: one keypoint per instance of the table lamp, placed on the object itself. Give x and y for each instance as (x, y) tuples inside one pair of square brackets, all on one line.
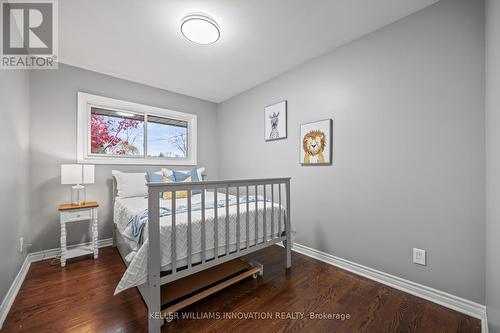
[(77, 175)]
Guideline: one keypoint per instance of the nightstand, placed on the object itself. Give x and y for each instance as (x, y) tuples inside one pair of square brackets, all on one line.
[(70, 214)]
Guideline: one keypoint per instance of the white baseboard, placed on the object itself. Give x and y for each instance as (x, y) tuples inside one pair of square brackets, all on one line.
[(9, 298), (13, 290), (437, 296)]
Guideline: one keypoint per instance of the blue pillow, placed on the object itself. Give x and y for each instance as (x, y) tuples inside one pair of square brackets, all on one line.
[(153, 177), (181, 176)]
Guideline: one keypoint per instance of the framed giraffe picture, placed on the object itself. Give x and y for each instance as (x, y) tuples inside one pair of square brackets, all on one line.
[(275, 121)]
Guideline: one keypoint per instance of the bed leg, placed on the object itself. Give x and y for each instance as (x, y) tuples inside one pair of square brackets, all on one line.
[(155, 321), (288, 254), (154, 303), (288, 230), (114, 235), (154, 324)]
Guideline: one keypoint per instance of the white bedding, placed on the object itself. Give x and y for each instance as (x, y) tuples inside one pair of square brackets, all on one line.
[(126, 208)]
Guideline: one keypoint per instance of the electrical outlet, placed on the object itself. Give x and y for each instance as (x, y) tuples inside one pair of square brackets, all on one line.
[(21, 244), (419, 257)]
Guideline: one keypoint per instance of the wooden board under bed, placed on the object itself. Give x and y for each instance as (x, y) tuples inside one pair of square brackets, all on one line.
[(193, 288)]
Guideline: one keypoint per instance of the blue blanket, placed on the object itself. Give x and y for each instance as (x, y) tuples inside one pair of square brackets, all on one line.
[(134, 228)]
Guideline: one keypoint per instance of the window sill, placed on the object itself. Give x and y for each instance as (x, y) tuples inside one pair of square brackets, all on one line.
[(136, 161)]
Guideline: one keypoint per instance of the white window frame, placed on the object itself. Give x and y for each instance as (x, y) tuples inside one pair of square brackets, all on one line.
[(87, 101)]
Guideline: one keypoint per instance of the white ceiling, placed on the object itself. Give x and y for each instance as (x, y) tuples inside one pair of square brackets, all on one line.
[(141, 41)]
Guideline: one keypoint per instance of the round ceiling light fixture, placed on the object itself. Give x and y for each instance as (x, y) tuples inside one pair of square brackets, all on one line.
[(200, 29)]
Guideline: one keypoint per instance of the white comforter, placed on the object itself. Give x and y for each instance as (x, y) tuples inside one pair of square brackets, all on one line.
[(136, 273)]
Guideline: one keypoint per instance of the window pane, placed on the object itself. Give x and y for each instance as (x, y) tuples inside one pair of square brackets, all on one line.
[(116, 133), (167, 137)]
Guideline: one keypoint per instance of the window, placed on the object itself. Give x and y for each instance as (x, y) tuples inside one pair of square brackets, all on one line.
[(115, 133), (118, 132), (167, 137)]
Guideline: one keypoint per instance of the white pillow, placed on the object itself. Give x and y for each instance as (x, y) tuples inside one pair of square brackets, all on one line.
[(169, 172), (130, 184)]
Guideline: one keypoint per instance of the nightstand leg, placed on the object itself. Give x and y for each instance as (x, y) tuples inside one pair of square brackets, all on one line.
[(63, 244), (94, 237)]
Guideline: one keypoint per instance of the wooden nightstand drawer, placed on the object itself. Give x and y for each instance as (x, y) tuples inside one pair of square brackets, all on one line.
[(76, 215)]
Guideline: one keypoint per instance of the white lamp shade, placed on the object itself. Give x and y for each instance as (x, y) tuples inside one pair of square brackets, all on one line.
[(77, 174), (88, 174)]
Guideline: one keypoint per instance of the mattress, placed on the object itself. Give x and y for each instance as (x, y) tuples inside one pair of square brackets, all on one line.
[(126, 208)]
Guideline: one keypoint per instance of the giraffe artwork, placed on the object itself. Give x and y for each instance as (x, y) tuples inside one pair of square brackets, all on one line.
[(275, 121)]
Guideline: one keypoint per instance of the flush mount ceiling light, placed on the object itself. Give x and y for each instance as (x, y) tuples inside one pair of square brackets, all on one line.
[(200, 29)]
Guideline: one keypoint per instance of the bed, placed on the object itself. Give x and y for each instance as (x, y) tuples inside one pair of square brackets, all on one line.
[(223, 221)]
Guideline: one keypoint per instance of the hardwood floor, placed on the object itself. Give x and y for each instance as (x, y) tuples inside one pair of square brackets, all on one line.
[(79, 298)]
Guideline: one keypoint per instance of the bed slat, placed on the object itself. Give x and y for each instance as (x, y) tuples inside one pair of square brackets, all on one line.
[(216, 227), (227, 220), (238, 219), (203, 229), (248, 220), (279, 211), (189, 232), (174, 229), (272, 211), (264, 237), (256, 213)]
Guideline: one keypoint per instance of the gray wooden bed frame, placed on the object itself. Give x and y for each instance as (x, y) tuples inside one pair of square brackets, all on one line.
[(150, 291)]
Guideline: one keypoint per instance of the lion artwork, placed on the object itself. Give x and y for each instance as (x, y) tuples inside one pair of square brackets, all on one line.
[(314, 144)]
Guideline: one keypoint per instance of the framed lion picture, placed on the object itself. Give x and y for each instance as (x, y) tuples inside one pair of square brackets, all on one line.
[(316, 143)]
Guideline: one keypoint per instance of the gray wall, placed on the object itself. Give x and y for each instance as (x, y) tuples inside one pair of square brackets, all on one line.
[(53, 111), (493, 163), (408, 109), (14, 191)]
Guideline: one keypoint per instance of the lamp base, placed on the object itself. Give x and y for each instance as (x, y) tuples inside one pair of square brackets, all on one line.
[(78, 195)]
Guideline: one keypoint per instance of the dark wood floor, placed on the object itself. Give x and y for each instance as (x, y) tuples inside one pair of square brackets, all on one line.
[(79, 298)]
